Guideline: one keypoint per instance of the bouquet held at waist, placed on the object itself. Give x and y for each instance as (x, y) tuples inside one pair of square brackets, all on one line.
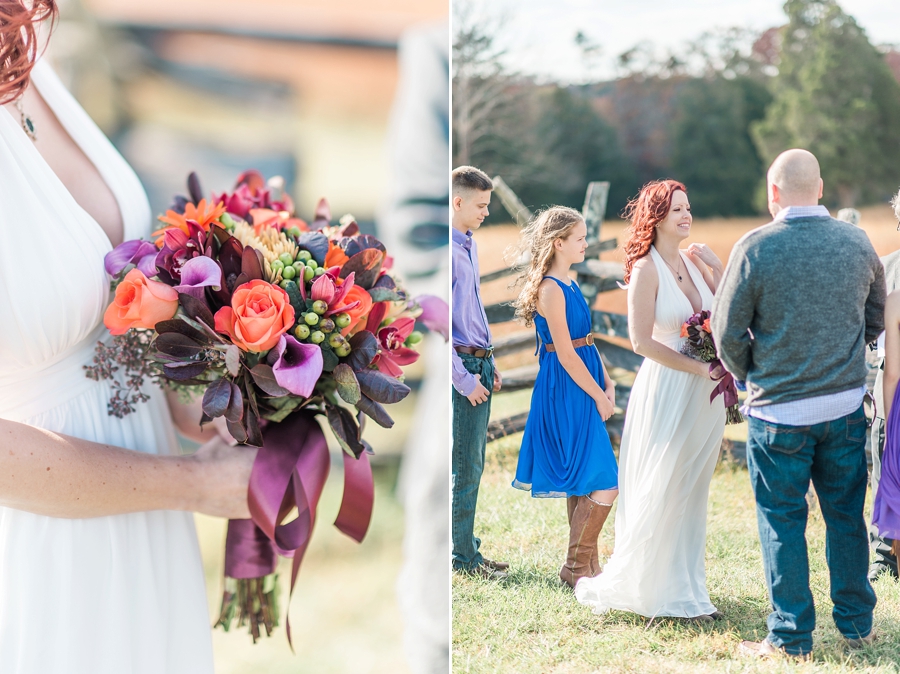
[(699, 345), (275, 322)]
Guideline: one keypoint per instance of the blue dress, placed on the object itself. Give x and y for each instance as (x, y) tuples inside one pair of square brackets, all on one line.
[(565, 450)]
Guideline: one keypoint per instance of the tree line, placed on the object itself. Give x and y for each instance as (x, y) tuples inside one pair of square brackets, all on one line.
[(713, 116)]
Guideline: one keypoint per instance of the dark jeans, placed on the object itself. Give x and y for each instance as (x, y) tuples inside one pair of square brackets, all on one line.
[(782, 460), (469, 441), (880, 546)]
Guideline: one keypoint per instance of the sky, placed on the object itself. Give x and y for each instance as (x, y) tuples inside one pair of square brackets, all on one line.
[(539, 34)]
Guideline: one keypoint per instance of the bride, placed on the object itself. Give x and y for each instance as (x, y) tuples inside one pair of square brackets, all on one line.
[(670, 443), (100, 569)]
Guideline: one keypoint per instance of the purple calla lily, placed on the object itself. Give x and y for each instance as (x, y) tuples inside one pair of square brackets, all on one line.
[(435, 314), (198, 273), (137, 252), (298, 366)]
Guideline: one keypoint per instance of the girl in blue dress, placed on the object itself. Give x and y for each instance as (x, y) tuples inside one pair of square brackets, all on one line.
[(566, 450)]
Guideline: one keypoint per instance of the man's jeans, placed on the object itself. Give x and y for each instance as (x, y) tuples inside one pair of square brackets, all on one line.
[(782, 460), (469, 440)]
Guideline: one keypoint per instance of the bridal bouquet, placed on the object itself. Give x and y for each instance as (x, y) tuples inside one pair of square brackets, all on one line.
[(274, 322), (699, 345)]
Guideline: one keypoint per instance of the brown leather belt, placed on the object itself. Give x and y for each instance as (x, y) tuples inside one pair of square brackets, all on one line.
[(472, 351), (584, 341)]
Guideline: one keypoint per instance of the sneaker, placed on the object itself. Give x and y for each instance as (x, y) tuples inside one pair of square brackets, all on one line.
[(861, 642), (484, 571)]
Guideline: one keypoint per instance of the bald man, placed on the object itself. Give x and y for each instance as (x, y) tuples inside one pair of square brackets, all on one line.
[(800, 299)]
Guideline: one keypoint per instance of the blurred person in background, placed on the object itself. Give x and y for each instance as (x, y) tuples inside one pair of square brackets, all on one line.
[(415, 226)]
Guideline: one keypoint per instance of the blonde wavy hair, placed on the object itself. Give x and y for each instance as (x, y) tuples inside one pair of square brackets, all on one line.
[(547, 226)]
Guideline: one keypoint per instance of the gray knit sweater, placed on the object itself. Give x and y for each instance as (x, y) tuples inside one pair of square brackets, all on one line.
[(798, 302)]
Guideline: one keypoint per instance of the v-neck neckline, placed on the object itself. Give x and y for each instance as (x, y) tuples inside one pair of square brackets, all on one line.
[(690, 273), (47, 102)]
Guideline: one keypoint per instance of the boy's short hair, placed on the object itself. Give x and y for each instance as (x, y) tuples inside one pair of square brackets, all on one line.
[(469, 178)]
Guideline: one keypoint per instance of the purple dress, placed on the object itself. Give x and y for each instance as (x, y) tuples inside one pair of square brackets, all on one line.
[(886, 513)]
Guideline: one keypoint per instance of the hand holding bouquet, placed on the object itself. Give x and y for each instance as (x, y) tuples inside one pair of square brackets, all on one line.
[(699, 345), (274, 322)]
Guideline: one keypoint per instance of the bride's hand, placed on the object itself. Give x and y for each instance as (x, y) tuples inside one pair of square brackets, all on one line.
[(604, 406), (700, 252), (224, 475)]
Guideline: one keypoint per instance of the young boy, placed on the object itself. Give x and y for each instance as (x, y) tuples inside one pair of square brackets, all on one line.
[(473, 371)]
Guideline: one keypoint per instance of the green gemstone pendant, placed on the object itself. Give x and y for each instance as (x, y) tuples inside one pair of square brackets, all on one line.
[(27, 123)]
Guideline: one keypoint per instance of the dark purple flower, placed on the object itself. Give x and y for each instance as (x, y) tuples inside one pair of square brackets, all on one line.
[(178, 248), (137, 252), (297, 366), (197, 273)]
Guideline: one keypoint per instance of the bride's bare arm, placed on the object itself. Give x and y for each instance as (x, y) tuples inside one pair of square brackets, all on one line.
[(552, 305), (52, 474), (642, 289), (708, 263)]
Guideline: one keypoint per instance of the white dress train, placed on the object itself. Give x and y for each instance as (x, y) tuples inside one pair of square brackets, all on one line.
[(670, 445), (108, 595)]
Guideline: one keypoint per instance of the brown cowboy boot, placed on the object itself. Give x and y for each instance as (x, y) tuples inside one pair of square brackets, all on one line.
[(571, 503), (584, 529)]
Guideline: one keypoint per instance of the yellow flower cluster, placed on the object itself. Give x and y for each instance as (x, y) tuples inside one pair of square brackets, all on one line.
[(270, 241)]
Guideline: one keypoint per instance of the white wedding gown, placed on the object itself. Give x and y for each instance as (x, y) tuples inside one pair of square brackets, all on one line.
[(670, 445), (109, 595)]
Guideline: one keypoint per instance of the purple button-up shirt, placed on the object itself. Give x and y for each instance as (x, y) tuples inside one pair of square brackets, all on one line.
[(470, 325)]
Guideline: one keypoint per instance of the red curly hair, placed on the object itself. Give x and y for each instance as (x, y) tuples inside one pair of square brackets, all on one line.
[(18, 43), (646, 211)]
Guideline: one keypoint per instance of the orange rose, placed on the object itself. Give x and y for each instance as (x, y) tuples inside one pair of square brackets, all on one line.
[(684, 332), (359, 313), (259, 314), (140, 303), (706, 327)]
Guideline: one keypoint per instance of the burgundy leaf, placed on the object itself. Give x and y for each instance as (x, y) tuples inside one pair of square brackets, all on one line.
[(196, 309), (216, 398), (347, 385), (264, 377), (345, 429), (251, 263), (237, 430), (374, 411), (254, 434), (179, 326), (366, 265), (235, 410), (364, 347), (184, 371), (380, 387), (178, 345)]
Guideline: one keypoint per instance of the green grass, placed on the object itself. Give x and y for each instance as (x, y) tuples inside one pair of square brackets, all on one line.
[(531, 624)]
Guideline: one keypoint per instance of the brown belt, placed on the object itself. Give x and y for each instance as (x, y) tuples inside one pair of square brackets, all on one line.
[(473, 351), (584, 341)]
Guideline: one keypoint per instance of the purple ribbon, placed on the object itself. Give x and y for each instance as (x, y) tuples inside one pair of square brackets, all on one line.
[(290, 471), (726, 384)]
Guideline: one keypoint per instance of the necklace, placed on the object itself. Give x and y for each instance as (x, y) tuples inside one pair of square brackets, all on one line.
[(27, 123), (675, 271)]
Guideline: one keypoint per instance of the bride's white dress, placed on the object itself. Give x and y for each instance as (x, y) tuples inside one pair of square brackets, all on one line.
[(108, 595), (670, 445)]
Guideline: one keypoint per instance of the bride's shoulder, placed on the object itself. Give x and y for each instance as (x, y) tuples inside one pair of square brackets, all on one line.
[(644, 267)]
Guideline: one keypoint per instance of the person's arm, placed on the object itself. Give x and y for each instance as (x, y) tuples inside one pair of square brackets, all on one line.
[(875, 302), (732, 314), (551, 305), (642, 290), (891, 349), (610, 388), (60, 476), (708, 263)]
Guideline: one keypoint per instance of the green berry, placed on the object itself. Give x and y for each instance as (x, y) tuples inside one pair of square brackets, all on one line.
[(320, 271), (342, 320), (299, 267), (311, 318), (336, 340), (295, 232), (320, 307), (226, 220), (285, 283), (301, 331), (276, 265), (317, 337), (312, 264), (343, 350), (308, 274), (414, 338), (304, 255), (286, 259), (327, 325), (289, 272)]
